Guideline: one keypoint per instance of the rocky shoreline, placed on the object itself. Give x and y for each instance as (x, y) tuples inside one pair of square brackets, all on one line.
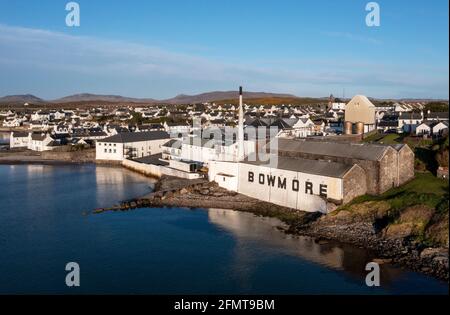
[(361, 228)]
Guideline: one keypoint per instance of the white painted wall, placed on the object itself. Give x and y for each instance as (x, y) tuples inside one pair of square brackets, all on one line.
[(18, 142), (218, 153), (118, 151)]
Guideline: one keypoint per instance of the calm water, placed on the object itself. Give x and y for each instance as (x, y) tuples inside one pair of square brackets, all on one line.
[(42, 227)]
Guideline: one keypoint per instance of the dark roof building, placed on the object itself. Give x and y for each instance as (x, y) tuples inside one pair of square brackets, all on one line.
[(128, 137)]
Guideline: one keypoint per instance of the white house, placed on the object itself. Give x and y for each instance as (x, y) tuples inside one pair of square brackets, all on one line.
[(409, 121), (18, 140), (440, 128), (41, 142), (425, 128), (129, 145), (304, 127)]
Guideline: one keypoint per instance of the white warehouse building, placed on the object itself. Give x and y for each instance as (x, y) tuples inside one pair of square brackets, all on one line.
[(130, 145), (301, 184)]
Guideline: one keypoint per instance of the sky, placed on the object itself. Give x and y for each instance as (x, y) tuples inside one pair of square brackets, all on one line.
[(159, 49)]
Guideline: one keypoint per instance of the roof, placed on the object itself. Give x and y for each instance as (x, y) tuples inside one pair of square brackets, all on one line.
[(410, 115), (280, 124), (18, 134), (361, 100), (257, 123), (441, 115), (38, 137), (126, 137), (388, 123), (372, 152), (152, 159), (174, 143), (316, 167)]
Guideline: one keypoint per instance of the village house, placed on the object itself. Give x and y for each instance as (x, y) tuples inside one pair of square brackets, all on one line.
[(19, 140), (41, 142), (131, 145), (408, 122)]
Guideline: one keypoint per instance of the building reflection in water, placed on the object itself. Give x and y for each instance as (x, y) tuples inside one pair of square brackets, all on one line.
[(248, 228), (113, 181)]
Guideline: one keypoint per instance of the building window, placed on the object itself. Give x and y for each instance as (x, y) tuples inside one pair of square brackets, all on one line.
[(109, 150), (106, 150), (114, 150)]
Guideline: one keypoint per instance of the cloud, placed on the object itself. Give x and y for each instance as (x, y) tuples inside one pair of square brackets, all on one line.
[(60, 63)]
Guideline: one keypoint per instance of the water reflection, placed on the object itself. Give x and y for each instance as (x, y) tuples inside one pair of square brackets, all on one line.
[(112, 181), (248, 228), (4, 138)]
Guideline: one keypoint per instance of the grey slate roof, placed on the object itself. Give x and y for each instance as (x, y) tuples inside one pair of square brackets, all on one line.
[(174, 143), (127, 137), (316, 167), (38, 137), (370, 152), (19, 134), (152, 159)]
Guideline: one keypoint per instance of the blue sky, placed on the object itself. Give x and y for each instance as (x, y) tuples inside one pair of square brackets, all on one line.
[(162, 48)]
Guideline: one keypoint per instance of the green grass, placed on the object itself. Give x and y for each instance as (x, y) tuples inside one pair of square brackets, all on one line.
[(392, 138), (423, 189)]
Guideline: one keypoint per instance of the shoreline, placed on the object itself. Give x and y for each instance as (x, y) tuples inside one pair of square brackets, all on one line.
[(56, 157), (340, 227)]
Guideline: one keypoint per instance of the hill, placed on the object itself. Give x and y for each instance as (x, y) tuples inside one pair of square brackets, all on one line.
[(22, 99), (222, 95), (86, 97)]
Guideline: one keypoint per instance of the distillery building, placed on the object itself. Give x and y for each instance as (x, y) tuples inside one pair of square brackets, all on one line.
[(359, 116), (385, 166), (315, 175)]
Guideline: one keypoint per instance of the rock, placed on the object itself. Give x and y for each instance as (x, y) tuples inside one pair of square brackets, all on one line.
[(433, 252), (382, 261), (400, 230), (322, 241), (204, 192), (183, 191)]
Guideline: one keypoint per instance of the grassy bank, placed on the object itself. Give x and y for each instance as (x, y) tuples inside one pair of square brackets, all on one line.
[(418, 210)]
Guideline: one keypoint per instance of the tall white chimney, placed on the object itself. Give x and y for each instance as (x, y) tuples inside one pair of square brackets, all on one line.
[(241, 152)]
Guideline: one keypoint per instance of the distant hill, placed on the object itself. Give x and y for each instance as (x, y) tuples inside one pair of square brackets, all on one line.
[(222, 95), (22, 99), (86, 97), (275, 101)]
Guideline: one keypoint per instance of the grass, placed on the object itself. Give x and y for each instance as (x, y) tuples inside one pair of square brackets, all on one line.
[(392, 138), (425, 189)]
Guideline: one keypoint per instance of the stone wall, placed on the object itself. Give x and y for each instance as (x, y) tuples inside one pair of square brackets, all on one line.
[(388, 176), (371, 168), (406, 165), (354, 183)]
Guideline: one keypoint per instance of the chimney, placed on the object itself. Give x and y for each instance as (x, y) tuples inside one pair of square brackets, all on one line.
[(241, 153)]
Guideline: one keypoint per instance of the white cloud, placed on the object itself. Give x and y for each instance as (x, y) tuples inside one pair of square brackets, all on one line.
[(142, 70)]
